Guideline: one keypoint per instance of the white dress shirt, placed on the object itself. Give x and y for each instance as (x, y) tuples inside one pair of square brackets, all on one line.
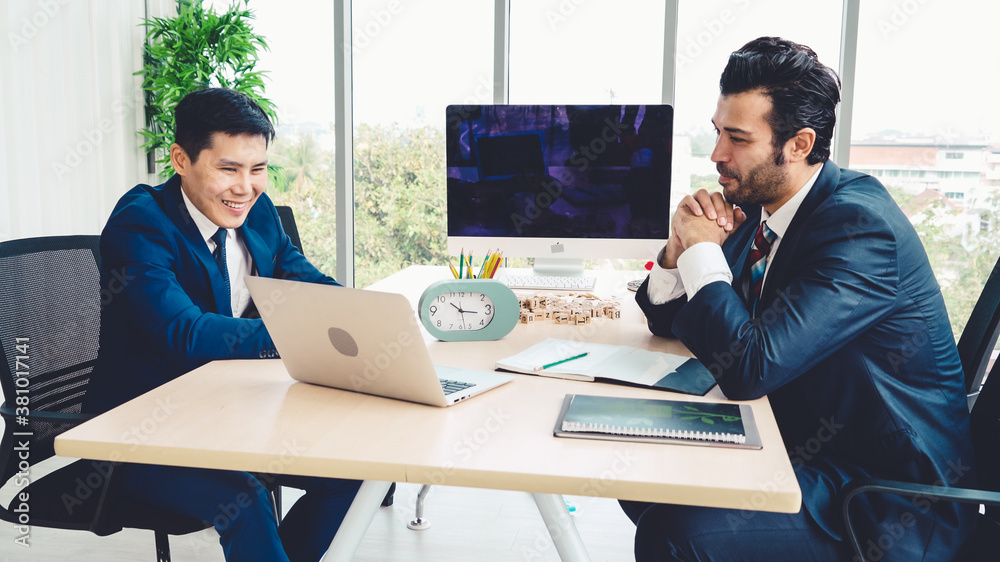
[(238, 258), (705, 263)]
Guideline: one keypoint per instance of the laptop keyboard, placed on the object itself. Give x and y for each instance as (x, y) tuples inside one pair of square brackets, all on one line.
[(450, 386)]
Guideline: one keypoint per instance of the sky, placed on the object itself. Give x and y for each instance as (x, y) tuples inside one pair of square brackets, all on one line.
[(924, 66)]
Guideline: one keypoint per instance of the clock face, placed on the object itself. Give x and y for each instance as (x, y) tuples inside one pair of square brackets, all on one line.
[(468, 310), (461, 311)]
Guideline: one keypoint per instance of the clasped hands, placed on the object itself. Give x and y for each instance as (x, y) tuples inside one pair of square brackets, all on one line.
[(701, 217)]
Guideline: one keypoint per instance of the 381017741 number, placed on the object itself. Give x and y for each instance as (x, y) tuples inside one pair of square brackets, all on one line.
[(21, 380)]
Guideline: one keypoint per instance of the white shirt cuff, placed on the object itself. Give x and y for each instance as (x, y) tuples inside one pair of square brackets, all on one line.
[(664, 284), (702, 264)]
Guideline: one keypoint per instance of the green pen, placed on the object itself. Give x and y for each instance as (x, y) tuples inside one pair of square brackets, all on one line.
[(554, 363)]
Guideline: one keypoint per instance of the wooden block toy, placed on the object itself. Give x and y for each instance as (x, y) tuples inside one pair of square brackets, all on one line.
[(574, 308)]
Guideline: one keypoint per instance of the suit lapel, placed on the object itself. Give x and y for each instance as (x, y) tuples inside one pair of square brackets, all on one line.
[(176, 211), (262, 257), (826, 184)]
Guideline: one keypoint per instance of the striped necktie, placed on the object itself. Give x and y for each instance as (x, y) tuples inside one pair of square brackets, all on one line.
[(220, 255), (759, 251)]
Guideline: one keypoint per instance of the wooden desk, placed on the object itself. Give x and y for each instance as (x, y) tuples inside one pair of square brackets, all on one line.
[(249, 415)]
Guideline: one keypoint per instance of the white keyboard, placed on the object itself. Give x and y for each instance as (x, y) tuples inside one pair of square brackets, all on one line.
[(547, 282)]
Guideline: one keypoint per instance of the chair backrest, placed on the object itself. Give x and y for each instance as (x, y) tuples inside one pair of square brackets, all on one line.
[(980, 334), (287, 218), (50, 319), (986, 433)]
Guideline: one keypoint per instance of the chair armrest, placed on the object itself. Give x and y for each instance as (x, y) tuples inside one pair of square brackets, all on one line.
[(41, 424), (869, 485), (8, 412), (101, 524)]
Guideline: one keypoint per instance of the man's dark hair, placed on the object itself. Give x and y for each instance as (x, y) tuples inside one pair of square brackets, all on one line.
[(217, 110), (803, 91)]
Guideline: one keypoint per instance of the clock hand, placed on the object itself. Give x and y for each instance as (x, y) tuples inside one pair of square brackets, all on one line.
[(458, 308)]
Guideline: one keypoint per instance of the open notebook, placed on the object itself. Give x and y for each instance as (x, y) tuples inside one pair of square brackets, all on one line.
[(611, 363)]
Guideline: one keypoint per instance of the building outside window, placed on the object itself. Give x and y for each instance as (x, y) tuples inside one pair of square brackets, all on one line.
[(941, 131)]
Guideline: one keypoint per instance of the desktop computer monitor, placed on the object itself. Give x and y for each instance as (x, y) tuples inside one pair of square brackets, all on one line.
[(559, 183)]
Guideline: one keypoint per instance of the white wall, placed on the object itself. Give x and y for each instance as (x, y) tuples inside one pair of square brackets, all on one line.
[(69, 111)]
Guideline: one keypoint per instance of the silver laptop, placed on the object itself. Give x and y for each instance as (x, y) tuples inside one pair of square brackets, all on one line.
[(365, 341)]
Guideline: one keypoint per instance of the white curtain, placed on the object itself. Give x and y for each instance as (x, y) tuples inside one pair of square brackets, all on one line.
[(70, 109)]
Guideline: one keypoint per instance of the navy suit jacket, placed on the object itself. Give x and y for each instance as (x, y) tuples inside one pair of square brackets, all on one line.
[(165, 306), (853, 347)]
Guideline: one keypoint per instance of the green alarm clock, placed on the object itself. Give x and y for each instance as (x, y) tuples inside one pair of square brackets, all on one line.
[(468, 310)]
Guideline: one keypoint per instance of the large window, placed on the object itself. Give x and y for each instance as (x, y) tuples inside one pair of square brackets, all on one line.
[(410, 61), (924, 114), (597, 52)]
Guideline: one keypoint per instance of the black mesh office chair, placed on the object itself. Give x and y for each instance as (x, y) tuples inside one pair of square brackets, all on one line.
[(975, 348), (979, 336), (50, 318)]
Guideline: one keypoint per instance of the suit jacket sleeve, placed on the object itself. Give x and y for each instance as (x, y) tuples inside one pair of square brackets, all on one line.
[(835, 282), (659, 317)]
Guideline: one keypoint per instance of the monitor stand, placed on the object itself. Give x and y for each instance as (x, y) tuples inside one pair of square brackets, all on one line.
[(558, 267)]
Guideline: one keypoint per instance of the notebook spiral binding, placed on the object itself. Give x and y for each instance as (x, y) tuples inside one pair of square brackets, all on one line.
[(654, 432)]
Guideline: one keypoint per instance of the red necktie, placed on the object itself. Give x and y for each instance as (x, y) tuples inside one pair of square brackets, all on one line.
[(757, 258)]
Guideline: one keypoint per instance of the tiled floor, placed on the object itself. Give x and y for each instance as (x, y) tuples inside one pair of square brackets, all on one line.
[(466, 524)]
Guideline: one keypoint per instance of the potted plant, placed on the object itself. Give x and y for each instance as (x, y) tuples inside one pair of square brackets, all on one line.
[(197, 49)]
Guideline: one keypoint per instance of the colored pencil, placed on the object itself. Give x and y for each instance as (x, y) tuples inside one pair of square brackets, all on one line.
[(494, 260), (482, 268), (561, 361)]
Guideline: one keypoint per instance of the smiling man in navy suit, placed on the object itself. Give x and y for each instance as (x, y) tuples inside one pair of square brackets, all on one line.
[(805, 282), (173, 259)]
